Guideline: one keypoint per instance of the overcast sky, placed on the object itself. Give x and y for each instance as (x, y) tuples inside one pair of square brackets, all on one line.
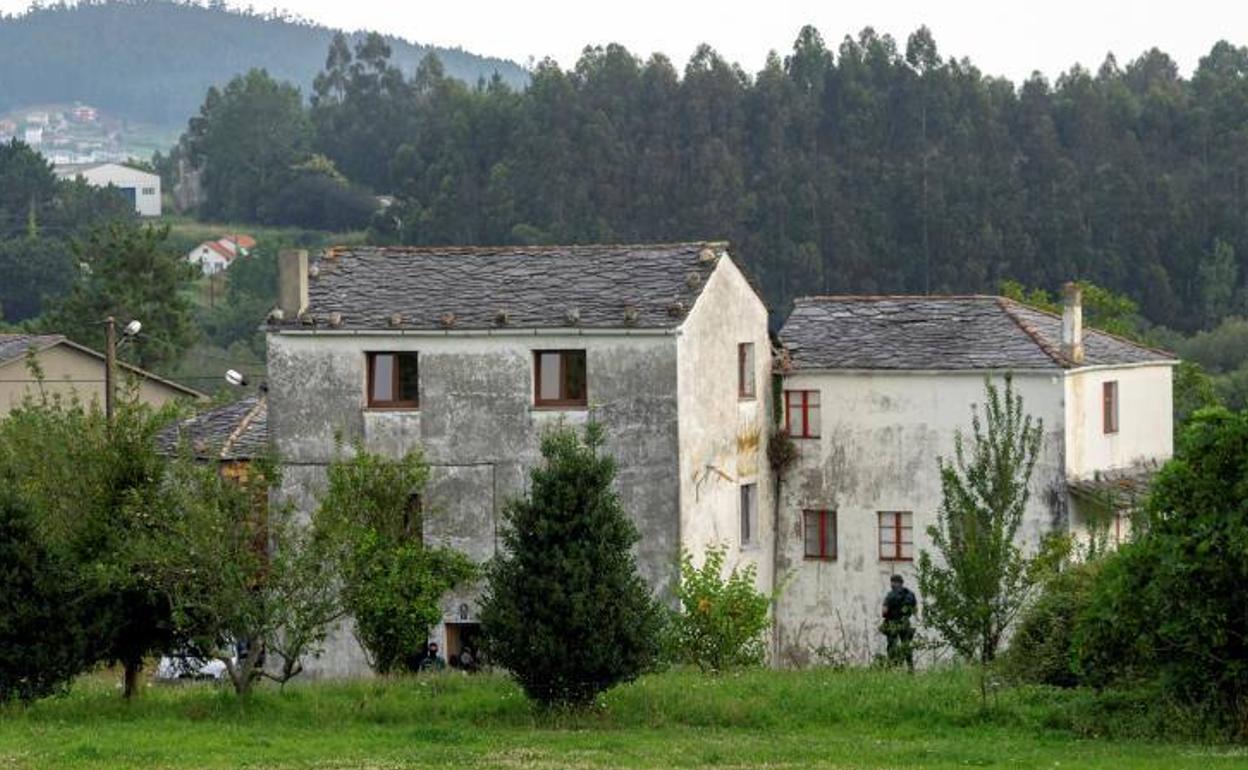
[(1001, 37)]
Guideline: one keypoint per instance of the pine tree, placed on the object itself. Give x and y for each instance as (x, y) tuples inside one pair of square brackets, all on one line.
[(565, 610), (978, 578)]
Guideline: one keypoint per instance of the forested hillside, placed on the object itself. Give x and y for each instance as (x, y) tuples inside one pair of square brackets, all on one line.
[(871, 167), (152, 60)]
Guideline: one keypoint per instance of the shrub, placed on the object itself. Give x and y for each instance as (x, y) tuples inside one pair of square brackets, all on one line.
[(1041, 650), (721, 620), (565, 610), (41, 645)]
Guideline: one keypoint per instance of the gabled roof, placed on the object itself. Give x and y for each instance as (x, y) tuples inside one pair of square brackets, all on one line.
[(940, 333), (237, 431), (648, 286), (13, 347)]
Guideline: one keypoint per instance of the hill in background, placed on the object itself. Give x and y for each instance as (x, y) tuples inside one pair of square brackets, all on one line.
[(152, 60)]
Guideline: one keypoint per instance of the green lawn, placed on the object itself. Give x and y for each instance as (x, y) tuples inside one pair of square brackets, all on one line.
[(823, 719)]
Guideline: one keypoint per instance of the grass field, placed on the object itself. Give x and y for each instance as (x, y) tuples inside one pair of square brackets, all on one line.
[(821, 719)]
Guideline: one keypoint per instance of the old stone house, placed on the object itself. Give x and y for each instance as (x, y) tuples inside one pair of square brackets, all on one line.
[(876, 389), (470, 353)]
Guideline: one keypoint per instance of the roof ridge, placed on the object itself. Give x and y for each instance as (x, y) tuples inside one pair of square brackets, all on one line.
[(503, 247), (813, 298), (1052, 352), (243, 425)]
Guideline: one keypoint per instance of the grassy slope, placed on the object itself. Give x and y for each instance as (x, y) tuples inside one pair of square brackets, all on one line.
[(810, 719)]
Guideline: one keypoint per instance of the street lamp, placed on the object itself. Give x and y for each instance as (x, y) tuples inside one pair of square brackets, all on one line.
[(110, 358), (235, 378)]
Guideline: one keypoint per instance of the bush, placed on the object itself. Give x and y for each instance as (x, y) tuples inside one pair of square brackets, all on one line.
[(721, 621), (565, 610), (1041, 650), (1168, 605), (41, 645)]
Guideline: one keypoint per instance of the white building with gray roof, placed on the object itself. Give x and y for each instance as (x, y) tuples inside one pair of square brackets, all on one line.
[(469, 354), (875, 390)]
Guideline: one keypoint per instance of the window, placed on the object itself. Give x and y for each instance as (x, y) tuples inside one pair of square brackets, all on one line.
[(896, 536), (149, 190), (745, 370), (801, 413), (820, 534), (393, 381), (1109, 405), (749, 512), (560, 378)]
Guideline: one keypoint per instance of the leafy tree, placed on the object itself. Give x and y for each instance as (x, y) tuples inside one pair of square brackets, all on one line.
[(565, 610), (240, 574), (392, 582), (1164, 607), (975, 580), (722, 621), (41, 641), (89, 485), (126, 271)]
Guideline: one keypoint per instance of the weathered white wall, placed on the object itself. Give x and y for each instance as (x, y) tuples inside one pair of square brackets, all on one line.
[(880, 436), (480, 432), (723, 439), (1145, 418)]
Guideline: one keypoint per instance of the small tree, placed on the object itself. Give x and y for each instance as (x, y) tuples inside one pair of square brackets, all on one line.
[(721, 621), (243, 578), (392, 583), (978, 579), (565, 610)]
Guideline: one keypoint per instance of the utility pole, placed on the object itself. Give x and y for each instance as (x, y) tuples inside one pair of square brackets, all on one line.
[(110, 365)]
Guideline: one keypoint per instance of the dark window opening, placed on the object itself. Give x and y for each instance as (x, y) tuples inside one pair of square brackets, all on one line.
[(393, 381), (1109, 405), (560, 378), (820, 534), (745, 370), (896, 536), (801, 413)]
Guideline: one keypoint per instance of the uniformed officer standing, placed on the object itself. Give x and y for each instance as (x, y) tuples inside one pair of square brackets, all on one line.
[(899, 606)]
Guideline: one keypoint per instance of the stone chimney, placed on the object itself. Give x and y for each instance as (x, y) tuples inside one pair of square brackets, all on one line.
[(292, 283), (1072, 322)]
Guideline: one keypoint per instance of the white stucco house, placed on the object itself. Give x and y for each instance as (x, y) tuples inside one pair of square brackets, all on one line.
[(876, 389), (470, 354), (140, 188)]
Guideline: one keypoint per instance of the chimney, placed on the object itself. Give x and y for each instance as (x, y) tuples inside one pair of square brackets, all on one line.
[(1072, 322), (292, 283)]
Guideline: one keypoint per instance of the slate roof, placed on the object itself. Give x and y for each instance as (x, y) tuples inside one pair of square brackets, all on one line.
[(650, 286), (940, 333), (237, 431), (14, 346)]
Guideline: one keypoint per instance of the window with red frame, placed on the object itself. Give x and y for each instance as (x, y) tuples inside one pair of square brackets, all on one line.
[(801, 413), (746, 387), (1109, 406), (820, 534), (896, 536)]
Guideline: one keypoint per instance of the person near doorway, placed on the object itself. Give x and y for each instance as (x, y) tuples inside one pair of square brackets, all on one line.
[(432, 661)]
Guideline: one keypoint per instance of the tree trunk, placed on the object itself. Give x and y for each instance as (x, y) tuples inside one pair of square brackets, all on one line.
[(130, 680)]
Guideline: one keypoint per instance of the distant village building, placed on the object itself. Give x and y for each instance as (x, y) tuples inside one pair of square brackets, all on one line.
[(37, 118), (85, 113), (70, 369), (141, 188), (468, 354), (33, 136), (214, 256)]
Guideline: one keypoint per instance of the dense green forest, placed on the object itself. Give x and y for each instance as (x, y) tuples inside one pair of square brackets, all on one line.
[(871, 167), (151, 60)]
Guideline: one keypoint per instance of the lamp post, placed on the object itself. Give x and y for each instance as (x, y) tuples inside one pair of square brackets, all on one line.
[(110, 359)]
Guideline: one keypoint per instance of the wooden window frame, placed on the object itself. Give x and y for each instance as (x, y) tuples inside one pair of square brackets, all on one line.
[(898, 530), (827, 534), (562, 402), (747, 381), (808, 430), (749, 525), (395, 380), (1109, 407)]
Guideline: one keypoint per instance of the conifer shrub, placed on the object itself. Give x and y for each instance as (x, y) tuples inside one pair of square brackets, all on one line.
[(565, 610)]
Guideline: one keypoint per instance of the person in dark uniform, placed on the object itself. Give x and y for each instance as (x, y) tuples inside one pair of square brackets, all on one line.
[(899, 606)]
